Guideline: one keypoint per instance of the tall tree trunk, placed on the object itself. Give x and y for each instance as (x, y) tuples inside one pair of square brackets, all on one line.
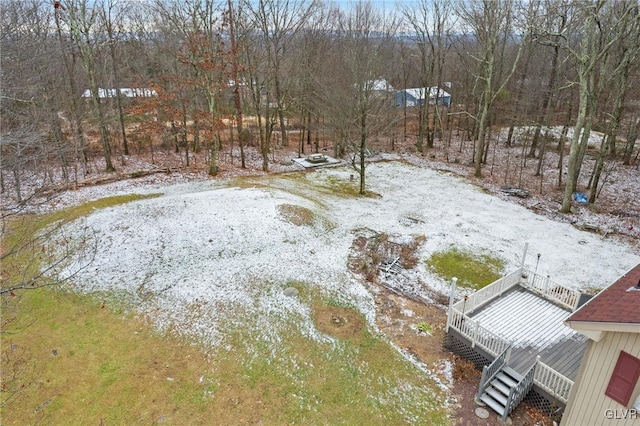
[(597, 171), (404, 114), (308, 128), (236, 88), (479, 149), (76, 120), (545, 112), (584, 142), (184, 132), (610, 138), (60, 143), (519, 92), (279, 101), (573, 166), (102, 125), (487, 142), (632, 136), (17, 184), (421, 127), (317, 138), (363, 149), (303, 129), (267, 138), (215, 144), (116, 83)]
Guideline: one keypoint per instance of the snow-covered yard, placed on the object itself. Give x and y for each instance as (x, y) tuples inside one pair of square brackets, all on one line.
[(204, 255)]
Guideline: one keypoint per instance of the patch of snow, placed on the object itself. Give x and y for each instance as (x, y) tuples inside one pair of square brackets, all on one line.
[(203, 255), (446, 369), (595, 138), (407, 313)]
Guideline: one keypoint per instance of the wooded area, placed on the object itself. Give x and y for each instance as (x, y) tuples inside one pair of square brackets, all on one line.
[(117, 78)]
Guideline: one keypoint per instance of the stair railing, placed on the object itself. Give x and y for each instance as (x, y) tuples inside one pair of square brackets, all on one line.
[(519, 391), (491, 370)]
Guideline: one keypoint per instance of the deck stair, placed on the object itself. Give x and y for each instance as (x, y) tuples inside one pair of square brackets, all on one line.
[(501, 387), (496, 394)]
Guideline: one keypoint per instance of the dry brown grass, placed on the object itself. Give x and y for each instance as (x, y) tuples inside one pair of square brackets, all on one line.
[(299, 216), (464, 370)]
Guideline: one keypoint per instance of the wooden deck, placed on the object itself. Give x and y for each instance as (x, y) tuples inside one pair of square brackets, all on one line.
[(535, 326)]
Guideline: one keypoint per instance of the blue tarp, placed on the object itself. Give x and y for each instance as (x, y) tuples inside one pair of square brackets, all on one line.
[(580, 198)]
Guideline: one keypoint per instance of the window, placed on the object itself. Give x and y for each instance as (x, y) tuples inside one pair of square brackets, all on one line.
[(624, 378)]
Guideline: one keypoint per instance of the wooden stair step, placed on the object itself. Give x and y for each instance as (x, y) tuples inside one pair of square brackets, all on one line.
[(499, 385), (492, 403), (497, 395), (512, 373), (506, 379)]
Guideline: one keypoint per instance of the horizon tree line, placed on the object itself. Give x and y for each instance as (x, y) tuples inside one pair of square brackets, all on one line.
[(305, 71)]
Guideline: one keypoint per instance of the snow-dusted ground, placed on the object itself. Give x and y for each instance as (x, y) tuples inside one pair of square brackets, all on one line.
[(595, 138), (204, 255)]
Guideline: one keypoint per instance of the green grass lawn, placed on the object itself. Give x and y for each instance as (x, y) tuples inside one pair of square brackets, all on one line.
[(473, 270)]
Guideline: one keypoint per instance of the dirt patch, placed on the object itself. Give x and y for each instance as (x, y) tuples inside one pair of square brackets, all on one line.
[(403, 303), (339, 322), (373, 252), (398, 317)]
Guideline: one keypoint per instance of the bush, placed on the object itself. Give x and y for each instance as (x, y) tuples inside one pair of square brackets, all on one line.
[(424, 327)]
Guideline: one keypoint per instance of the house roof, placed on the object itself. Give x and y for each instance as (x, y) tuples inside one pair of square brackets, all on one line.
[(419, 92), (617, 304), (379, 85), (125, 91)]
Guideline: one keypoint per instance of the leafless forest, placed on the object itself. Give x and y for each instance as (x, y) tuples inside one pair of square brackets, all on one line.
[(108, 81)]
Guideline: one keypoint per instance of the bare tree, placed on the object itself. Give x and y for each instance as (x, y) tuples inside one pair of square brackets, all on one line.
[(235, 75), (632, 136), (278, 22), (357, 100), (616, 69), (70, 55), (112, 16), (491, 23), (35, 252), (199, 71), (34, 104), (601, 25), (559, 22), (255, 62), (81, 19), (307, 56), (432, 22)]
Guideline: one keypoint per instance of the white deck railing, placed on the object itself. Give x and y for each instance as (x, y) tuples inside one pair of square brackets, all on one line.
[(478, 335), (553, 382), (557, 293), (491, 291), (546, 377)]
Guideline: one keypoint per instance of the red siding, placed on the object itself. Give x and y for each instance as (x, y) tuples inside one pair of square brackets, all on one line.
[(624, 378)]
